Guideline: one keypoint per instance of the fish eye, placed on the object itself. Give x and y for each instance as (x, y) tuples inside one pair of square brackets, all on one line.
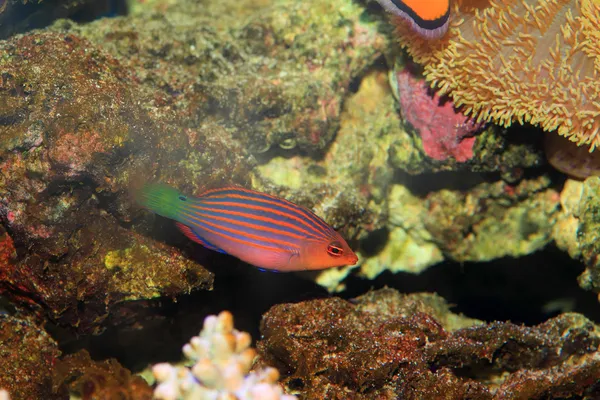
[(182, 197), (335, 249)]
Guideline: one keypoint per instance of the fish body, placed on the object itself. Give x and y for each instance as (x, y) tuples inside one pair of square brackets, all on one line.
[(429, 18), (265, 231)]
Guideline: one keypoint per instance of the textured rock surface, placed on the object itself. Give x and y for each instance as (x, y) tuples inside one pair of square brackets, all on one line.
[(88, 379), (565, 231), (469, 225), (27, 358), (90, 111), (576, 229), (385, 345), (589, 216), (275, 78)]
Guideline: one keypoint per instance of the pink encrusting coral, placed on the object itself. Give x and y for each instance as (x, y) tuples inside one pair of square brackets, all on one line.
[(445, 132)]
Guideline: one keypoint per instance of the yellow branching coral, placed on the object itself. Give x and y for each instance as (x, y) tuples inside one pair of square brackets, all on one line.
[(535, 61)]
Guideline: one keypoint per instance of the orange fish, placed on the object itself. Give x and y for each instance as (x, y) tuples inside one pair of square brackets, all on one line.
[(265, 231), (429, 18)]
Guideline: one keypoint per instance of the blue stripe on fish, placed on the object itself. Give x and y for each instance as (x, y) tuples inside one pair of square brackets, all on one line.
[(240, 216), (268, 208), (237, 233)]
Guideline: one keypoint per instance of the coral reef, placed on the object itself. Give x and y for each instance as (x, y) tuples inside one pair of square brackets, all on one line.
[(75, 139), (186, 98), (352, 187), (27, 358), (90, 380), (293, 99), (387, 346), (91, 105), (222, 360), (514, 60)]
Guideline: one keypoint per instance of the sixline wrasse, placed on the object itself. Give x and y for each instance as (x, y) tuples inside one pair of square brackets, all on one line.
[(262, 230)]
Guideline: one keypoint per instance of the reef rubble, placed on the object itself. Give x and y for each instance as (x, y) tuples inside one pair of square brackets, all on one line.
[(28, 355), (386, 345)]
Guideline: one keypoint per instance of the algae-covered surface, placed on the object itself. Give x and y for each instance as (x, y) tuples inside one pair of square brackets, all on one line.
[(93, 109), (490, 256)]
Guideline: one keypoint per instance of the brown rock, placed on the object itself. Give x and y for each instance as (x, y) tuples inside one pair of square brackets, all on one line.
[(27, 357), (387, 346)]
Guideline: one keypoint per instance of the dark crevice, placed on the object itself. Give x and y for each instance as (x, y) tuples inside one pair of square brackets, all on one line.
[(20, 18), (527, 290)]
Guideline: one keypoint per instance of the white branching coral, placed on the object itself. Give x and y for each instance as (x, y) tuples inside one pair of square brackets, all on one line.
[(222, 359)]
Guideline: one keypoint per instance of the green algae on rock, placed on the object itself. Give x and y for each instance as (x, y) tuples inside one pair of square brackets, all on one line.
[(459, 226), (76, 138), (275, 78), (468, 226), (409, 246), (566, 228), (388, 346), (27, 358), (576, 229), (588, 234)]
